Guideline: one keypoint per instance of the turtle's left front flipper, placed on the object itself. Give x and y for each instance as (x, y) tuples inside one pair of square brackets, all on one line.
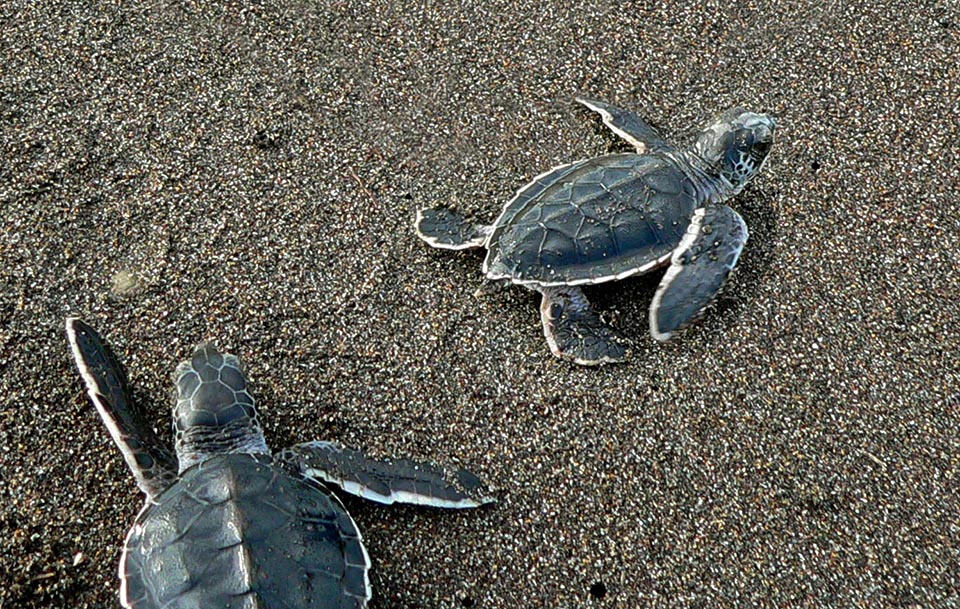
[(152, 464), (629, 126), (389, 480), (698, 269)]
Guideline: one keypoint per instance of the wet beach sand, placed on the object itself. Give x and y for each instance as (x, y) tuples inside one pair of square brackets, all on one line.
[(249, 172)]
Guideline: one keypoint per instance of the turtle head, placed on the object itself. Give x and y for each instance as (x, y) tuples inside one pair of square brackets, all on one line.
[(736, 145), (215, 413)]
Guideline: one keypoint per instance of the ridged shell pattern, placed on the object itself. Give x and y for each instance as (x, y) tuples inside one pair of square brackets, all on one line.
[(596, 220), (240, 532)]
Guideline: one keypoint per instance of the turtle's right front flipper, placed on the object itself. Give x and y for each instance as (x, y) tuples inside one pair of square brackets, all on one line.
[(448, 229), (389, 480), (152, 464), (698, 269)]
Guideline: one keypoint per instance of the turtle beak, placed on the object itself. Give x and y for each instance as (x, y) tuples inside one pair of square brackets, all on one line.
[(752, 120), (763, 127)]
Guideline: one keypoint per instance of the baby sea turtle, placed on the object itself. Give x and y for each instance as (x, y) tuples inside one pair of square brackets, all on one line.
[(610, 217), (227, 524)]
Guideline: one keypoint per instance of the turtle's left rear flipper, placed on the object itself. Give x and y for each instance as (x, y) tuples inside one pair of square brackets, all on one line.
[(152, 464), (698, 269), (448, 229), (389, 480)]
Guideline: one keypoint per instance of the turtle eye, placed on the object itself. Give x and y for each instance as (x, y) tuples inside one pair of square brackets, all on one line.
[(760, 149)]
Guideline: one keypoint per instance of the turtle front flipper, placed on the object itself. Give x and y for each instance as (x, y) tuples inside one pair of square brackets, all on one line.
[(152, 463), (629, 126), (575, 331), (448, 229), (386, 481), (698, 269)]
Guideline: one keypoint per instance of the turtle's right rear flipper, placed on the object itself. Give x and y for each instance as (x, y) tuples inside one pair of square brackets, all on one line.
[(575, 331), (153, 465), (387, 480), (448, 229)]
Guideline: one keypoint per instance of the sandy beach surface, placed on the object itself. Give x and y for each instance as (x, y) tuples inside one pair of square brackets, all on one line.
[(249, 172)]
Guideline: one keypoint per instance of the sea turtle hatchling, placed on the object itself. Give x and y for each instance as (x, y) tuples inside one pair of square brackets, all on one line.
[(227, 524), (609, 217)]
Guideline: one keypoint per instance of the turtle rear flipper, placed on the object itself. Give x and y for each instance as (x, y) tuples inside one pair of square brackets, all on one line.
[(152, 464), (386, 481), (575, 332), (699, 268), (629, 126), (448, 229)]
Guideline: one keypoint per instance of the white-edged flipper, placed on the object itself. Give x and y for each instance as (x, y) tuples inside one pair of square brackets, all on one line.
[(387, 480), (152, 463), (489, 287), (575, 331), (448, 229), (629, 126), (700, 266)]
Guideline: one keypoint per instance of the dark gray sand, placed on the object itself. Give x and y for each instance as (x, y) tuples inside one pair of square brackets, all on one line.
[(249, 172)]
